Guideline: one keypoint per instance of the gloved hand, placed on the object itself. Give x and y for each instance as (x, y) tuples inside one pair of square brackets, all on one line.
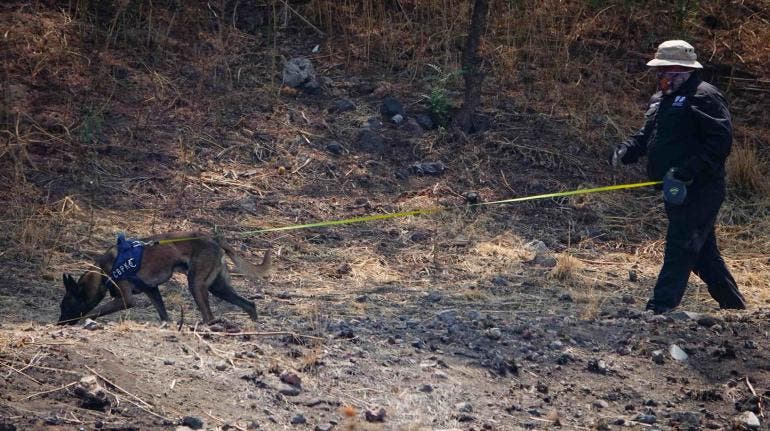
[(617, 155), (675, 186)]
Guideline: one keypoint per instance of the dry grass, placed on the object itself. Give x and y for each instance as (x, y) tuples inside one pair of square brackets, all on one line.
[(747, 173), (567, 269)]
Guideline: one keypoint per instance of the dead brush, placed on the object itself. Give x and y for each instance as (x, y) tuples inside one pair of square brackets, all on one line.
[(747, 172), (567, 269)]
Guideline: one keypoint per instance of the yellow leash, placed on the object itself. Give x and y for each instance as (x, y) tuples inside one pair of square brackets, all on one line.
[(432, 210)]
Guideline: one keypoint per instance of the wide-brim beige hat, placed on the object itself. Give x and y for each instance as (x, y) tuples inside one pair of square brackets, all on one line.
[(675, 53)]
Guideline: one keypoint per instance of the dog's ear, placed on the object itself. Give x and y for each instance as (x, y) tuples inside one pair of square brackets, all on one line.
[(69, 283)]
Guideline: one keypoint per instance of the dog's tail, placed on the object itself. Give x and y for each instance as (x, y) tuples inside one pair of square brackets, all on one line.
[(251, 271)]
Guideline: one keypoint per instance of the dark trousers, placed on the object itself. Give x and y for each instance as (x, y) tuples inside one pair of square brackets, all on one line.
[(691, 246)]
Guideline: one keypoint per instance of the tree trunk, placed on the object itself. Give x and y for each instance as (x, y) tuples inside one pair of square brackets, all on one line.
[(471, 64)]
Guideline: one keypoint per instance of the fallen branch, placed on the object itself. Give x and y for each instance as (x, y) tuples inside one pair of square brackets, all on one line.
[(264, 334), (22, 373), (118, 387), (47, 392)]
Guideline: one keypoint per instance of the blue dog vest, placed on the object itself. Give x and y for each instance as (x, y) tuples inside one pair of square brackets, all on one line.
[(129, 259)]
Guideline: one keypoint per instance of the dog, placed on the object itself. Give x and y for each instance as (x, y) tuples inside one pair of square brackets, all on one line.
[(194, 253)]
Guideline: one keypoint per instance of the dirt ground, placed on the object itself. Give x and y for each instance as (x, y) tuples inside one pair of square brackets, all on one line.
[(505, 317)]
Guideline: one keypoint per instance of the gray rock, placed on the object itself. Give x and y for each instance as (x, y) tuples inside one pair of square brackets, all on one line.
[(464, 407), (632, 276), (749, 420), (291, 378), (598, 366), (425, 121), (324, 427), (193, 422), (397, 119), (376, 414), (682, 316), (289, 390), (538, 247), (685, 420), (601, 404), (433, 296), (335, 148), (499, 280), (298, 419), (391, 106), (92, 325), (677, 353), (493, 333), (221, 366), (556, 345), (427, 168), (299, 72), (447, 316), (426, 388), (658, 357), (707, 320)]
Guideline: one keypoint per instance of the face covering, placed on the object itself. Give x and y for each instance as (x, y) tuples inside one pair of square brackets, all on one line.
[(669, 82)]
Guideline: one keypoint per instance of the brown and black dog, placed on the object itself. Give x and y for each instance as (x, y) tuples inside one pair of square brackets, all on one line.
[(196, 254)]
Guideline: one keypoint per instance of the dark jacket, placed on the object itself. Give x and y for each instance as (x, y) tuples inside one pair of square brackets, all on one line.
[(689, 129)]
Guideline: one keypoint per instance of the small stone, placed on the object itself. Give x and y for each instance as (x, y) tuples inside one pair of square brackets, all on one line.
[(565, 297), (425, 121), (493, 333), (376, 414), (681, 316), (601, 404), (499, 281), (633, 277), (556, 345), (628, 299), (598, 366), (289, 390), (677, 353), (440, 375), (221, 366), (657, 357), (426, 388), (291, 378), (433, 296), (324, 427), (464, 407), (168, 362), (707, 320), (298, 419), (92, 325), (397, 119), (391, 106), (193, 422), (749, 420), (335, 148)]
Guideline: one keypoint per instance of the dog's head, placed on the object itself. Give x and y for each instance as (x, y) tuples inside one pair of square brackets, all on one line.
[(79, 299)]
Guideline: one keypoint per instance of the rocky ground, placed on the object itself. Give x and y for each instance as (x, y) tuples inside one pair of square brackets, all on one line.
[(404, 359)]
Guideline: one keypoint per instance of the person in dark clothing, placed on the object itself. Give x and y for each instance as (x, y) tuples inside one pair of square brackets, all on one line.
[(687, 135)]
